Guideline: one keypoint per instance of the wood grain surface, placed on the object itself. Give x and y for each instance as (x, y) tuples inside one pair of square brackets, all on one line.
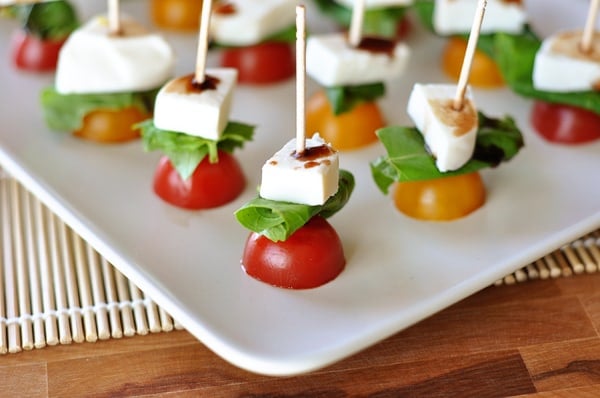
[(538, 338)]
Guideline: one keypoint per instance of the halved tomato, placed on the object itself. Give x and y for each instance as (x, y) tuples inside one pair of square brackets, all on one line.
[(263, 63), (565, 124)]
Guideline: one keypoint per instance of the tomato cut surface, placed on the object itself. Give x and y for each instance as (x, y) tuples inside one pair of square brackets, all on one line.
[(310, 257), (211, 185), (565, 124), (111, 126), (350, 130), (33, 54), (263, 63), (177, 15), (484, 71), (440, 199)]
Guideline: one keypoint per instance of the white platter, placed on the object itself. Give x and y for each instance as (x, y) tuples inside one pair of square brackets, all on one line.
[(399, 270)]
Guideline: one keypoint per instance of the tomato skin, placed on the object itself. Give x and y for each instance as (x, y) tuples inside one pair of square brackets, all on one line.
[(565, 124), (111, 126), (262, 63), (311, 256), (211, 185), (177, 15), (30, 53), (440, 199), (484, 71), (350, 130)]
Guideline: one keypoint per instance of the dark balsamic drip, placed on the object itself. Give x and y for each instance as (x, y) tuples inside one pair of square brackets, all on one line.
[(313, 153), (224, 8), (377, 45), (209, 83)]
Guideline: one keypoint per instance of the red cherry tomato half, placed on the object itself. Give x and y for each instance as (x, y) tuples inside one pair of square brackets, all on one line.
[(310, 257), (211, 184), (33, 54), (565, 124), (263, 63)]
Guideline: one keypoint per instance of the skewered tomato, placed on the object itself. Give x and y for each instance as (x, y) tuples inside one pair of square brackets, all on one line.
[(181, 15), (565, 124), (310, 257), (350, 130), (484, 71), (263, 63), (211, 184), (33, 53), (111, 126), (440, 199)]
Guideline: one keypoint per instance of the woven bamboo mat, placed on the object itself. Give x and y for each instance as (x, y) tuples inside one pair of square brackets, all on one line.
[(56, 289)]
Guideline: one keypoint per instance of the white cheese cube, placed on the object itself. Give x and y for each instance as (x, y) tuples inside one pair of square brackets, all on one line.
[(332, 61), (561, 66), (456, 16), (374, 4), (249, 22), (309, 179), (449, 134), (94, 61), (183, 108)]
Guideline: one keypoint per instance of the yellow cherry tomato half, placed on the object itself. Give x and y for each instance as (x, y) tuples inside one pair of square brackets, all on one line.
[(350, 130), (111, 126), (178, 15), (484, 71), (440, 199)]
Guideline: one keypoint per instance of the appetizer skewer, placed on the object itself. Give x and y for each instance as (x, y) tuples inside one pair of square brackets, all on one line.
[(107, 77), (435, 165), (191, 126), (291, 244), (352, 71)]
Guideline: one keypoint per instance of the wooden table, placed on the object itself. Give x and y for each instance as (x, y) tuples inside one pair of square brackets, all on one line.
[(534, 337)]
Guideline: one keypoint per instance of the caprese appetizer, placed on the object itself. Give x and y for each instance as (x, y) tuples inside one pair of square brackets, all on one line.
[(352, 73), (562, 78), (176, 15), (292, 245), (383, 18), (106, 81), (255, 37), (453, 19), (44, 28), (434, 166)]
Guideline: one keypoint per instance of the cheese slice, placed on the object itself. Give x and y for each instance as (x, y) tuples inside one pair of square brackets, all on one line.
[(248, 22), (94, 61), (449, 134), (309, 179), (202, 112), (456, 16), (332, 61), (561, 66), (373, 4)]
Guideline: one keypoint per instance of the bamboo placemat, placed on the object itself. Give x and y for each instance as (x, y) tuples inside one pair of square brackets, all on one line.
[(56, 289)]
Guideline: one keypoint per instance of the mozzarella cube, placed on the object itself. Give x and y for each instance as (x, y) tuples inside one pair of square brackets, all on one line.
[(561, 66), (183, 108), (456, 16), (332, 61), (251, 21), (309, 179), (94, 61), (374, 4), (449, 134)]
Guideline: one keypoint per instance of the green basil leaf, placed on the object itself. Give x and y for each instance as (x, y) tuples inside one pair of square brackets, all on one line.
[(65, 112), (187, 151), (407, 159), (382, 22), (52, 20), (424, 10), (516, 57), (344, 98), (278, 220)]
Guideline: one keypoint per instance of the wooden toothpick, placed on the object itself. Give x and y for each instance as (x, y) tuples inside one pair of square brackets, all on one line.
[(588, 30), (300, 78), (465, 71), (114, 17), (358, 13), (203, 41)]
